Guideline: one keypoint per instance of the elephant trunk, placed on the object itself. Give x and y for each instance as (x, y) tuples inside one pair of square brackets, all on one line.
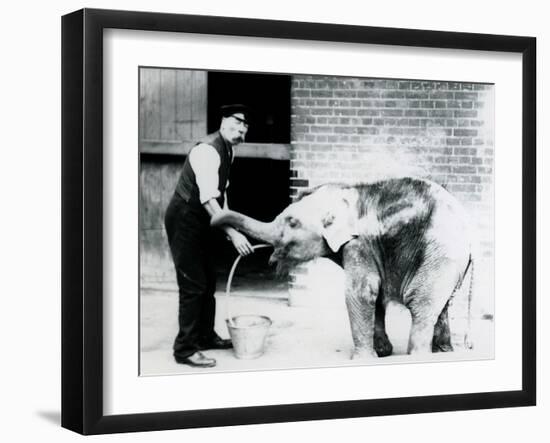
[(265, 232)]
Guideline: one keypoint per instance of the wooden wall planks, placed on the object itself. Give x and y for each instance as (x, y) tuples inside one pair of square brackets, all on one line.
[(172, 105)]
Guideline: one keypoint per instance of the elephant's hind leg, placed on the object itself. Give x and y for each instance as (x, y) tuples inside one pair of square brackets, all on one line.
[(420, 337), (442, 333), (427, 303)]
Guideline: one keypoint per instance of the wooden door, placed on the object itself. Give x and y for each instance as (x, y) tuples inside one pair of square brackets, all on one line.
[(172, 109)]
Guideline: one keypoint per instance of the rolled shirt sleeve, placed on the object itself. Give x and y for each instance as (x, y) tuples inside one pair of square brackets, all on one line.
[(205, 163)]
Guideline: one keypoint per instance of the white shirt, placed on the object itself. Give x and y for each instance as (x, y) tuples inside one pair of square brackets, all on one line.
[(205, 162)]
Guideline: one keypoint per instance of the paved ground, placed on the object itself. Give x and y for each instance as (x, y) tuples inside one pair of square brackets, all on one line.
[(314, 335)]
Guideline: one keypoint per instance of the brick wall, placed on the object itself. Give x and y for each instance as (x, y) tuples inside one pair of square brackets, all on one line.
[(351, 130)]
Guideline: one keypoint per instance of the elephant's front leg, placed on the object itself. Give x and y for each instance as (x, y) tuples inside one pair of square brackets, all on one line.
[(382, 344), (361, 294)]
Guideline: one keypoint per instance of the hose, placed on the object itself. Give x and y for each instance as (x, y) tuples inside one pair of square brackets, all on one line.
[(230, 279)]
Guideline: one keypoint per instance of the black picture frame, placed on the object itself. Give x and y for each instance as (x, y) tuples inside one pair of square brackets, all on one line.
[(82, 218)]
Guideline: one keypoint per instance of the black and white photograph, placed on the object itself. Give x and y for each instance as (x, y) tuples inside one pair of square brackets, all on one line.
[(313, 221), (267, 222)]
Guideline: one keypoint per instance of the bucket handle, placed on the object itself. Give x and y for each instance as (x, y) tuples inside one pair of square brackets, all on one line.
[(230, 279)]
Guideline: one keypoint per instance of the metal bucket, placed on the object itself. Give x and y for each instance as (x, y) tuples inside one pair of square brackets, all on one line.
[(248, 334)]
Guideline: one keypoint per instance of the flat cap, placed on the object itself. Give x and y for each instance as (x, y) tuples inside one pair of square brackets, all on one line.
[(229, 110)]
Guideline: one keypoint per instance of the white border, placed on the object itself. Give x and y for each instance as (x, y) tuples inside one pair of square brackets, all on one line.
[(125, 392)]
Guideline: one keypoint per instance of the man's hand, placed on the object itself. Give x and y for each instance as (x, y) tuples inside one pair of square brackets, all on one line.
[(240, 242)]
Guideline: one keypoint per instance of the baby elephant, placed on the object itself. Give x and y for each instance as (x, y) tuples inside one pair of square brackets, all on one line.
[(404, 240)]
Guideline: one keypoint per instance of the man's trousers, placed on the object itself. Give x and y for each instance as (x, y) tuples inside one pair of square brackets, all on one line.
[(191, 243)]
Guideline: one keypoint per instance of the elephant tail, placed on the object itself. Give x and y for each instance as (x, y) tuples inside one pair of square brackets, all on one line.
[(468, 343)]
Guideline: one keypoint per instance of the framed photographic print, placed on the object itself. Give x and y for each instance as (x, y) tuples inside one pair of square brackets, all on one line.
[(271, 221)]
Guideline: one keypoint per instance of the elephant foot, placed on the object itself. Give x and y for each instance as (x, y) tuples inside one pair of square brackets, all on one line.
[(382, 345), (442, 347), (364, 354)]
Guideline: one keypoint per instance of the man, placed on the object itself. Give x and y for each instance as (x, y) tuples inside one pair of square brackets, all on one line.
[(200, 193)]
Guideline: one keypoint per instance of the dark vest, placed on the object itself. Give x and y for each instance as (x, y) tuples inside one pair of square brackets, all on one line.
[(187, 185)]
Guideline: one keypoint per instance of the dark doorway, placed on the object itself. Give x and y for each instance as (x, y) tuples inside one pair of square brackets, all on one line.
[(258, 188)]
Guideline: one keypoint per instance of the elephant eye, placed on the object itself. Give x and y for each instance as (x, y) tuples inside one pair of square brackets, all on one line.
[(292, 222)]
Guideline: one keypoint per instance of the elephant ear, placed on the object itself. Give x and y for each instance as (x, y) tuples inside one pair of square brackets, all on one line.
[(339, 225)]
